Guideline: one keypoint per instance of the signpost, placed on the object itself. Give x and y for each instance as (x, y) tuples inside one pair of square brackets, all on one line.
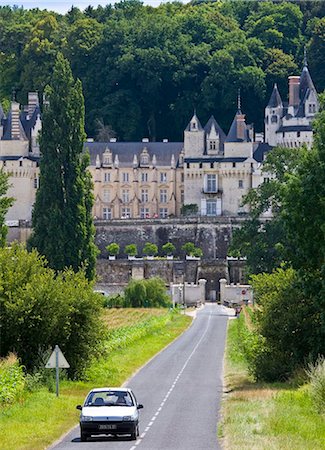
[(57, 361)]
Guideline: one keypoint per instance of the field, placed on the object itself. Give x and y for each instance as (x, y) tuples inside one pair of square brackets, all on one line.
[(135, 335), (258, 416)]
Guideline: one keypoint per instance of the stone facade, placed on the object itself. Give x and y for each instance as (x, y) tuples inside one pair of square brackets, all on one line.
[(140, 180)]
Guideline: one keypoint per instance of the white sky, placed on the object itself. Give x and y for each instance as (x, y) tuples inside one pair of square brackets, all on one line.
[(62, 6)]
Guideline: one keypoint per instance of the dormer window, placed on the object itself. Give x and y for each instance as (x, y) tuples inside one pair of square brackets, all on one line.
[(193, 126), (107, 158), (312, 108), (212, 145), (144, 158)]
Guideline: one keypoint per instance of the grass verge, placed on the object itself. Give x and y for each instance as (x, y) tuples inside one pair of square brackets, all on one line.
[(40, 418), (265, 416)]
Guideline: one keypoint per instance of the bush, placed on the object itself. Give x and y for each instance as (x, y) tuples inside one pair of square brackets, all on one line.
[(113, 301), (12, 379), (39, 309), (168, 249), (190, 210), (190, 250), (316, 374), (146, 293), (150, 249), (131, 250), (287, 323), (113, 249)]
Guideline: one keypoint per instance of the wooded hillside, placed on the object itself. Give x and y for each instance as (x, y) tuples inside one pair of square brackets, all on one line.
[(145, 69)]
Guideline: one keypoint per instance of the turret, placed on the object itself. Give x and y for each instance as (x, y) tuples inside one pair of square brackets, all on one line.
[(194, 138), (273, 115)]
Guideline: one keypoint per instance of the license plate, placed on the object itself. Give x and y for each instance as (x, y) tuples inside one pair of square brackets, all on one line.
[(107, 427)]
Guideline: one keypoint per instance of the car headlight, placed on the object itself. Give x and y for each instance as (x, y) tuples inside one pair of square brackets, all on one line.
[(86, 418), (127, 418)]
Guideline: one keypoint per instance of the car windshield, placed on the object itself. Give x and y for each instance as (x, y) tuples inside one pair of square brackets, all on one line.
[(109, 398)]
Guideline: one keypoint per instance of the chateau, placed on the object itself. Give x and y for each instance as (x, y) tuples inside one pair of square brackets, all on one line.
[(210, 170)]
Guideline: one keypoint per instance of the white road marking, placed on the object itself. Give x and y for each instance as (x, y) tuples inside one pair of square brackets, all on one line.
[(175, 381)]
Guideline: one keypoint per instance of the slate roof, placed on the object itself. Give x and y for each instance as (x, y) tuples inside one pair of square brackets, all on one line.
[(232, 135), (126, 151), (289, 128), (28, 124), (275, 99), (261, 150), (214, 159), (208, 126)]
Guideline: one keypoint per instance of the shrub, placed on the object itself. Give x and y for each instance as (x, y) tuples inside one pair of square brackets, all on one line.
[(131, 250), (189, 248), (316, 374), (12, 379), (113, 249), (198, 252), (189, 210), (146, 293), (150, 249), (168, 249)]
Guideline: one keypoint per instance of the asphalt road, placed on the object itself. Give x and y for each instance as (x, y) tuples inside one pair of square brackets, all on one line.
[(180, 389)]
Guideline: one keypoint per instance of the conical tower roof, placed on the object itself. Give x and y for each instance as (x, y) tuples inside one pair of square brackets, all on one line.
[(238, 130), (194, 124), (275, 99)]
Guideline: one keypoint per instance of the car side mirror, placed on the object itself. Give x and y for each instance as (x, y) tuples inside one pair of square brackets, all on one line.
[(139, 406), (79, 407)]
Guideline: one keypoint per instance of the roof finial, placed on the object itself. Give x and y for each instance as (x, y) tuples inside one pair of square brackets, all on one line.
[(238, 100), (305, 57), (13, 94)]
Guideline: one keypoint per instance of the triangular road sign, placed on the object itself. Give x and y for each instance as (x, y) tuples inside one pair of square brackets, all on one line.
[(62, 362)]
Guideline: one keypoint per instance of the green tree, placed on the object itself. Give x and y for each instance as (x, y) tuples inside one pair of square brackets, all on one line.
[(113, 249), (131, 249), (63, 230)]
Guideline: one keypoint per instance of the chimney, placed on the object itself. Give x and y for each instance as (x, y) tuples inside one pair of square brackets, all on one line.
[(145, 139), (241, 127), (33, 103), (294, 83), (15, 125), (165, 140), (112, 140)]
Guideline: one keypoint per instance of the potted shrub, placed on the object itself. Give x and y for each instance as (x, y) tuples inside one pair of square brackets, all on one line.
[(131, 250), (191, 251), (168, 249), (113, 249), (150, 250)]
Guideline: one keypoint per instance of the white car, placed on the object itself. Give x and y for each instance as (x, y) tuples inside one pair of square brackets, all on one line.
[(109, 411)]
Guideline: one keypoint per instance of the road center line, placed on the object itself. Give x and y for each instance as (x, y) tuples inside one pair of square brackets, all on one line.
[(175, 381)]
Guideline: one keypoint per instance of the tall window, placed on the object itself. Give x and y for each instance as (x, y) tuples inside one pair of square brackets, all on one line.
[(125, 196), (240, 184), (106, 196), (144, 177), (163, 195), (107, 177), (211, 185), (163, 177), (125, 177), (126, 213), (163, 213), (107, 213), (212, 145), (211, 208), (144, 195), (35, 183), (182, 196), (144, 213)]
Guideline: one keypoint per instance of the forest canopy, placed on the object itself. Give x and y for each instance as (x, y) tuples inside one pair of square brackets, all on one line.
[(145, 69)]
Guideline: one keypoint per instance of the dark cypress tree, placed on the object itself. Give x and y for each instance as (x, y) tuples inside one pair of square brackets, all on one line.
[(63, 229)]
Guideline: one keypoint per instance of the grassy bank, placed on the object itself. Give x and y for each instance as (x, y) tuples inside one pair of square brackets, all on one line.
[(39, 418), (265, 416)]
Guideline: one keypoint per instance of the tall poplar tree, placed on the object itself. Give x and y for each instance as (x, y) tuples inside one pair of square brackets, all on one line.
[(63, 230)]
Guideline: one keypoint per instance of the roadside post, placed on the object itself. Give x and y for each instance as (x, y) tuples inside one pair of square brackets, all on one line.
[(57, 361)]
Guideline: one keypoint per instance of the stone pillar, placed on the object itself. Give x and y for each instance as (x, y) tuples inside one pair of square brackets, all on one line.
[(202, 282)]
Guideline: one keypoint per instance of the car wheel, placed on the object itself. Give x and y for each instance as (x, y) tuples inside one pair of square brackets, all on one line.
[(138, 432), (134, 433), (83, 437)]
